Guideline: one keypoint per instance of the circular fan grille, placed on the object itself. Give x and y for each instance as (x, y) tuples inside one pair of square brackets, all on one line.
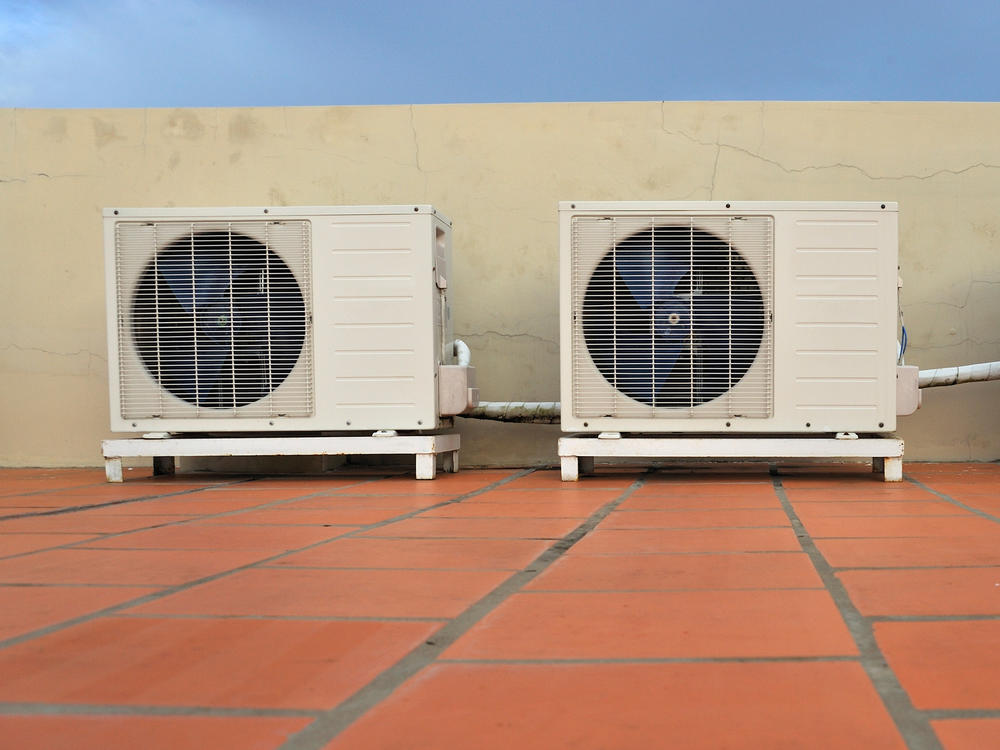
[(673, 316), (218, 319)]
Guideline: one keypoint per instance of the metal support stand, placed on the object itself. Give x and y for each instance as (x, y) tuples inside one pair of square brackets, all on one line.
[(163, 465), (425, 449), (577, 453)]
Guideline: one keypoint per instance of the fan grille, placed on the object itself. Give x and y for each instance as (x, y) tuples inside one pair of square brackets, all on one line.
[(671, 316), (214, 319)]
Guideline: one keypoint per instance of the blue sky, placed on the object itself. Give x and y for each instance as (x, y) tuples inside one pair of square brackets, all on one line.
[(170, 53)]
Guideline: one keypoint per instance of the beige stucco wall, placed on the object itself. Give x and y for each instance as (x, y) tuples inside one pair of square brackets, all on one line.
[(498, 171)]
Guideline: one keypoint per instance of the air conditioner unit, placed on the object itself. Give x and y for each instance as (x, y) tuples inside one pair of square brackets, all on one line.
[(277, 319), (743, 317)]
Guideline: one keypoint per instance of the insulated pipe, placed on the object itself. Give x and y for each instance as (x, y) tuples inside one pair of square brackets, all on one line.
[(463, 353), (955, 375), (538, 412)]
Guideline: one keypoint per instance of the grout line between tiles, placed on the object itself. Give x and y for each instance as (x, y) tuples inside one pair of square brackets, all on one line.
[(187, 519), (336, 720), (953, 501), (848, 568), (156, 595), (466, 538), (662, 660), (34, 585), (676, 590), (509, 517), (146, 599), (855, 499), (870, 538), (295, 618), (871, 516), (104, 483), (931, 618), (694, 509), (507, 569), (111, 503), (691, 528), (912, 724), (89, 709), (235, 483), (963, 713), (210, 522)]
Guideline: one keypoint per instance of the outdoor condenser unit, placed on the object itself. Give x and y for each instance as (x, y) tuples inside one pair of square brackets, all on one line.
[(279, 319), (714, 317)]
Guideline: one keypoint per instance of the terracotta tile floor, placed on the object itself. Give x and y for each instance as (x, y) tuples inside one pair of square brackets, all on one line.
[(733, 606)]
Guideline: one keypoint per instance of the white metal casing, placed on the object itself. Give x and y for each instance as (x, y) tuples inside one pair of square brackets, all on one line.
[(831, 307), (374, 282)]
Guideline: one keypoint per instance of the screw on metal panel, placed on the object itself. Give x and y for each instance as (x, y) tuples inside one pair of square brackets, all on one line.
[(585, 424), (727, 205), (265, 210), (881, 424), (883, 205), (808, 424), (420, 421), (572, 205), (348, 421), (271, 423), (116, 212), (416, 208), (728, 424)]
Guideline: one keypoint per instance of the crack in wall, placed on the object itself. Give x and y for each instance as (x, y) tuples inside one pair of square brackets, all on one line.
[(715, 172), (416, 142), (962, 306), (951, 344), (77, 353), (44, 175), (718, 144), (760, 141), (499, 334)]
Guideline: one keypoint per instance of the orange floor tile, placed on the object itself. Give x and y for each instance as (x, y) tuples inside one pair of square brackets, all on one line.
[(297, 592), (949, 664), (740, 606), (658, 625), (593, 707), (968, 734), (418, 554), (665, 572), (148, 732)]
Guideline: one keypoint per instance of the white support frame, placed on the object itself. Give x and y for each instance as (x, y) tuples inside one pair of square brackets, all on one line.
[(425, 449), (577, 453)]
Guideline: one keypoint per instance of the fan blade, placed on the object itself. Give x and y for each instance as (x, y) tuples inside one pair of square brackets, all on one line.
[(163, 333), (212, 355), (175, 271), (725, 316), (650, 273), (196, 281), (213, 278), (727, 332), (642, 363)]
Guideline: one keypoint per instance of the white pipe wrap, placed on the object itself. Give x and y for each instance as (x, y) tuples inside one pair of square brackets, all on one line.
[(962, 374), (538, 412), (463, 353)]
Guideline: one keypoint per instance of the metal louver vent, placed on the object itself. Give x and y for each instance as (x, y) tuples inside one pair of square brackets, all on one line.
[(214, 319), (672, 316)]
